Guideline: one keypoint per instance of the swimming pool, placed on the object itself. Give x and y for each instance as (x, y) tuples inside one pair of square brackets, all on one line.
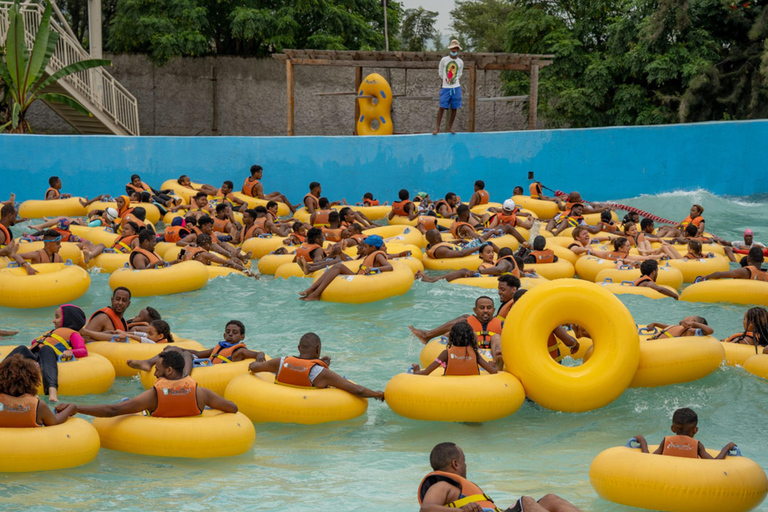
[(377, 461)]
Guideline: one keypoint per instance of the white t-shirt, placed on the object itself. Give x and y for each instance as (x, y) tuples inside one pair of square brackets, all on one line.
[(739, 244), (450, 71)]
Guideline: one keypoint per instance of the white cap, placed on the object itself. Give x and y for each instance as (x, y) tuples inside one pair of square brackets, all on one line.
[(509, 205), (111, 213)]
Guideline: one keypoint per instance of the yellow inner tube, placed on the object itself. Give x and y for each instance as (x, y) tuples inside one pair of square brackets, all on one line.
[(597, 382), (69, 251), (737, 354), (118, 353), (676, 360), (627, 288), (677, 484), (757, 365), (215, 377), (492, 282), (691, 269), (153, 213), (55, 284), (668, 276), (68, 445), (37, 209), (737, 291), (262, 400), (361, 289), (186, 276), (212, 434)]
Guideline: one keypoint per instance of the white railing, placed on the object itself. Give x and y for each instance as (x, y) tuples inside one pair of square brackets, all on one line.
[(98, 87)]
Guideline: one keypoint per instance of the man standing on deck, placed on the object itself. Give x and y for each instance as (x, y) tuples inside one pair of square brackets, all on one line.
[(451, 67)]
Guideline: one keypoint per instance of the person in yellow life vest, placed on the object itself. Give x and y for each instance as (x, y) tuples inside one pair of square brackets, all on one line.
[(403, 207), (572, 219), (447, 488), (19, 405), (172, 396), (308, 369), (229, 350), (63, 342), (694, 218), (48, 254), (688, 326), (649, 272), (480, 195), (755, 331), (108, 321), (374, 260), (682, 444), (252, 188), (752, 270), (461, 356)]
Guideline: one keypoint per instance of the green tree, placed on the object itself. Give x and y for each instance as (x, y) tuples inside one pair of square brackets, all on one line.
[(22, 70), (418, 29), (173, 28), (481, 24)]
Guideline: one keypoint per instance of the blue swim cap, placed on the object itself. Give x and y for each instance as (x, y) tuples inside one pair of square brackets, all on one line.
[(374, 240)]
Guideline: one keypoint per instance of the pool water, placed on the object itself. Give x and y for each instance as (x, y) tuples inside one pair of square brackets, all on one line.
[(377, 461)]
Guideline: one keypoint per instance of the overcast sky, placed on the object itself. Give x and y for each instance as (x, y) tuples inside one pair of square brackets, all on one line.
[(443, 7)]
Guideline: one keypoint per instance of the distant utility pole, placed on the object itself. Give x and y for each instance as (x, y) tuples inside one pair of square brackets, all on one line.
[(385, 3)]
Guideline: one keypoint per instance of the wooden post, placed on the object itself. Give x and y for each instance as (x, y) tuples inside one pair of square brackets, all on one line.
[(289, 82), (358, 82), (533, 97), (472, 90)]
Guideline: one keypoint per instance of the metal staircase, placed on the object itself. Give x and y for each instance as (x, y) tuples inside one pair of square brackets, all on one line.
[(114, 109)]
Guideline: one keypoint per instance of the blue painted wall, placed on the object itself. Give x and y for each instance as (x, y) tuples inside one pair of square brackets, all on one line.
[(605, 163)]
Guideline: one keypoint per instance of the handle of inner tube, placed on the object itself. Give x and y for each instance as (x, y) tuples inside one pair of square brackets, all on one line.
[(734, 452), (607, 280), (67, 360), (645, 330), (625, 267), (632, 440), (410, 370), (627, 283), (68, 262), (13, 264), (699, 279)]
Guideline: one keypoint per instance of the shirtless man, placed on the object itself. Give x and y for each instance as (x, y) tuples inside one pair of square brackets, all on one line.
[(753, 269), (649, 272), (110, 320), (252, 187)]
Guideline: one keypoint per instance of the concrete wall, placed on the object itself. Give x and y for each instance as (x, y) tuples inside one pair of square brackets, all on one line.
[(601, 163), (235, 96)]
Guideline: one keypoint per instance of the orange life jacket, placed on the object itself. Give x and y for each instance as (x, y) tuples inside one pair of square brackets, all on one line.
[(469, 492), (46, 258), (535, 190), (576, 243), (312, 199), (680, 446), (222, 354), (505, 219), (332, 234), (143, 188), (369, 262), (504, 310), (305, 251), (118, 323), (126, 211), (484, 266), (295, 237), (56, 194), (152, 257), (249, 186), (370, 202), (321, 217), (456, 225), (735, 338), (18, 411), (428, 221), (757, 274), (461, 361), (7, 233), (66, 235), (295, 371), (443, 202), (545, 256), (695, 221), (515, 270), (642, 279), (57, 339), (617, 255), (247, 233), (484, 332), (431, 250), (611, 227), (398, 207), (132, 218), (220, 225), (174, 233), (482, 196), (222, 197), (191, 252), (123, 243), (176, 398), (567, 209)]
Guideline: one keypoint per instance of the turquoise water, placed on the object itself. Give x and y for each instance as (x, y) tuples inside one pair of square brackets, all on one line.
[(377, 461)]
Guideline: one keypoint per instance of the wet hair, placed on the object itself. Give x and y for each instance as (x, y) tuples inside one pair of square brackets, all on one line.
[(140, 213), (758, 319), (309, 340), (442, 455), (191, 220), (333, 216), (251, 212), (685, 416), (239, 324), (605, 215), (201, 195), (462, 335), (271, 204), (162, 328), (516, 189), (755, 255), (178, 180), (628, 226), (296, 226), (8, 209), (539, 243), (314, 234), (221, 207), (205, 219), (691, 230), (630, 217), (481, 298), (19, 376), (462, 209), (323, 203), (50, 233), (153, 314), (172, 359), (257, 168), (203, 239), (369, 195), (449, 196), (134, 177), (146, 235), (480, 184), (229, 184), (699, 207), (505, 251), (260, 210), (356, 228), (312, 185), (648, 267), (403, 195), (700, 319), (695, 246), (645, 223), (342, 213), (121, 289), (520, 262), (510, 280), (52, 180), (577, 231), (519, 293), (618, 242)]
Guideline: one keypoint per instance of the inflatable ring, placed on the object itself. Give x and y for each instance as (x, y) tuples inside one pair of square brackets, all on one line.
[(37, 209), (95, 235), (737, 291), (677, 360), (475, 398), (628, 288), (492, 282), (737, 354), (677, 484), (109, 262), (542, 209), (398, 235), (264, 401), (757, 365), (183, 192), (261, 246), (361, 289), (691, 269), (68, 445), (435, 346), (282, 209), (668, 276), (153, 212), (119, 353), (561, 269), (375, 117), (372, 212), (186, 276), (269, 264), (215, 377), (587, 267), (571, 389), (69, 251), (399, 220), (54, 284), (212, 434)]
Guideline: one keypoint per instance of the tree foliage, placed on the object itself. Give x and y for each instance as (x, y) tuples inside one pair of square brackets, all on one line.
[(624, 62), (249, 27), (418, 30), (481, 24)]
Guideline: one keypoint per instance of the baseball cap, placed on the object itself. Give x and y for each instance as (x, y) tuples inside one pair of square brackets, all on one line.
[(111, 213), (748, 232), (509, 205), (374, 240)]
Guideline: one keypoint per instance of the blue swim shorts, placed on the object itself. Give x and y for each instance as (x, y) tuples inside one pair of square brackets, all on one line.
[(450, 98)]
